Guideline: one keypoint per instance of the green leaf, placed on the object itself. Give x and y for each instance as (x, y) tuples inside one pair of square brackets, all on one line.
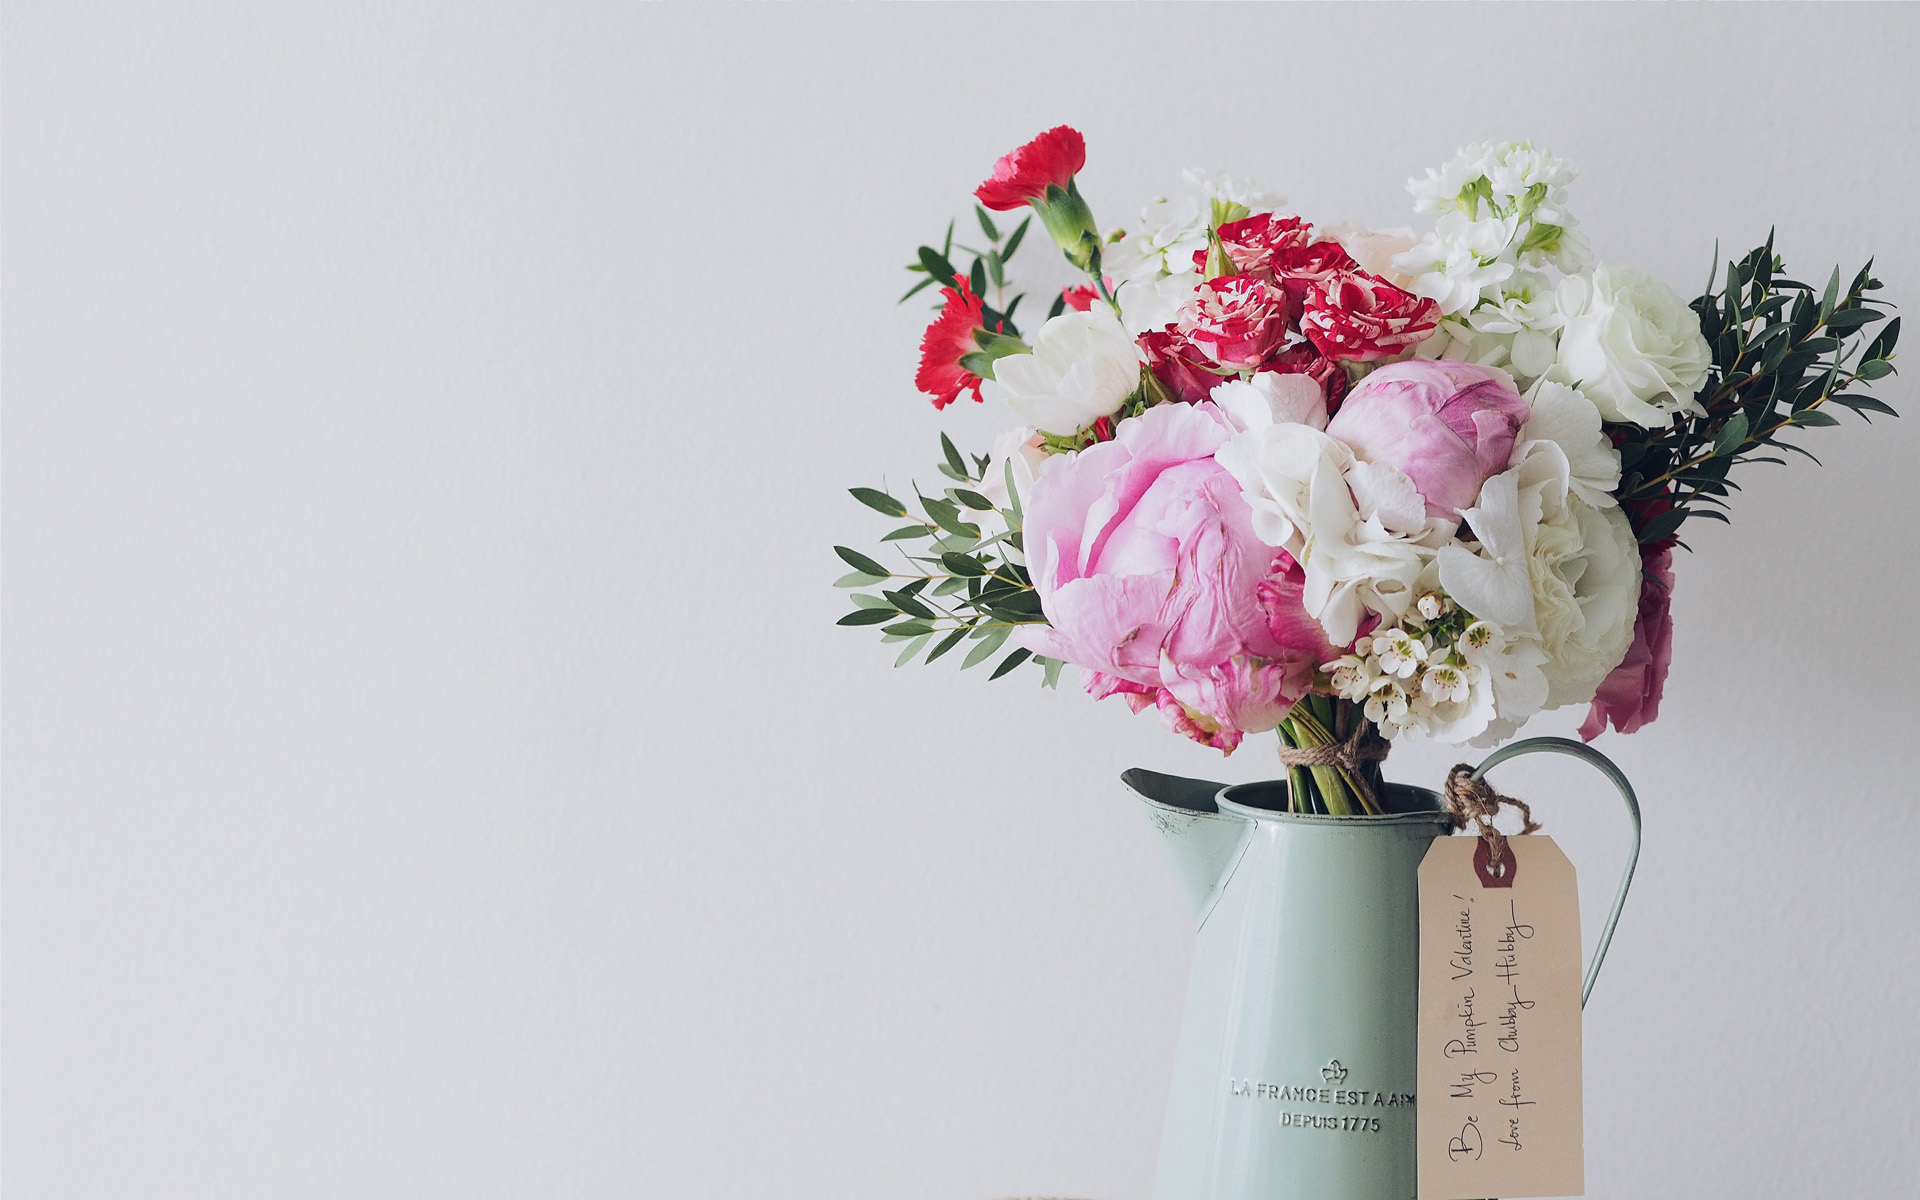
[(963, 565), (1875, 368), (986, 224), (948, 642), (908, 532), (1853, 318), (916, 289), (989, 642), (867, 616), (952, 452), (1814, 418), (1011, 661), (973, 500), (1014, 515), (862, 563), (1882, 344), (1828, 297), (1872, 404), (914, 647), (977, 277), (906, 603), (947, 587), (946, 247), (1662, 525), (1013, 241), (1732, 435), (862, 600), (937, 266), (879, 501), (858, 579), (908, 628), (1059, 306), (1052, 666)]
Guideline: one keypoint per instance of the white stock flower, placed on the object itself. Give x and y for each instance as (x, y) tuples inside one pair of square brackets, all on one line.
[(1244, 192), (1083, 367), (1630, 344), (1271, 398), (1294, 479), (1461, 261), (1169, 233)]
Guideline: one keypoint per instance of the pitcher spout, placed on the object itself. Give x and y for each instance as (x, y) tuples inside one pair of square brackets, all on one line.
[(1202, 844)]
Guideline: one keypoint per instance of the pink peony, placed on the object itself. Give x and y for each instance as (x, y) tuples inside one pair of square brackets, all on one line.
[(1237, 321), (1148, 570), (1448, 426), (1630, 696)]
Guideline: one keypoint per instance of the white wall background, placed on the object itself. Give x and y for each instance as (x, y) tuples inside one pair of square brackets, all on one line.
[(430, 765)]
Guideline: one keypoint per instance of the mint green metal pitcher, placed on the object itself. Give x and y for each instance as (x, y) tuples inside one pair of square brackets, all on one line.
[(1294, 1078)]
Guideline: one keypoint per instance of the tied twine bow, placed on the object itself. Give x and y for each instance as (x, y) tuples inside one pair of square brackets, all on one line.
[(1470, 799), (1352, 754)]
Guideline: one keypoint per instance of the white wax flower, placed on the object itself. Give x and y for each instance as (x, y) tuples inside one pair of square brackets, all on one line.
[(1244, 192), (1630, 344), (1083, 366)]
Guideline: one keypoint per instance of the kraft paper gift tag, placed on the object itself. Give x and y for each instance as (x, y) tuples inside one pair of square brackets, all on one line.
[(1499, 1038)]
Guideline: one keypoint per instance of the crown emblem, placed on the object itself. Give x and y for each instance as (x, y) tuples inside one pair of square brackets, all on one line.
[(1333, 1072)]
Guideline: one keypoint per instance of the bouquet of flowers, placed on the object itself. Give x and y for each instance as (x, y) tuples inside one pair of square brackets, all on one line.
[(1343, 483)]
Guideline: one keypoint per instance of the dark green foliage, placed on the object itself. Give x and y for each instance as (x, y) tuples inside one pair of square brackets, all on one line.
[(1784, 353)]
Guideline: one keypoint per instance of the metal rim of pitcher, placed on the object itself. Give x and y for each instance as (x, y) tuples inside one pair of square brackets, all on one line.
[(1435, 815)]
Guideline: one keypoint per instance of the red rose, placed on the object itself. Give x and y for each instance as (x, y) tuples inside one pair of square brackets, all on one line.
[(1237, 322), (947, 340), (1302, 359), (1053, 158), (1357, 317), (1179, 365), (1252, 243), (1297, 268)]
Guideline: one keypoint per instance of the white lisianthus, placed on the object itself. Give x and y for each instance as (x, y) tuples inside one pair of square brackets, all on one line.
[(1522, 318), (1630, 344), (1271, 398), (1083, 367), (1148, 304), (1564, 418), (1293, 477)]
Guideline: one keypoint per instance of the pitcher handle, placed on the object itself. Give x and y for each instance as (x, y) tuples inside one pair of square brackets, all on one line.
[(1605, 766)]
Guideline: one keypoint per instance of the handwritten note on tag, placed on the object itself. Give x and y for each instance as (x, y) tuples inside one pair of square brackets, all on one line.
[(1499, 1041)]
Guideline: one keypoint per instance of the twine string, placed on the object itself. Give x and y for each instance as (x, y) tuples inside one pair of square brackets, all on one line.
[(1470, 799), (1352, 754)]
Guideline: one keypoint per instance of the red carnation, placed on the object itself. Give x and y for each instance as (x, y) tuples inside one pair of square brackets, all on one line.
[(1179, 365), (1237, 322), (1297, 268), (947, 340), (1052, 159), (1079, 299), (1252, 242), (1356, 317), (1302, 359)]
